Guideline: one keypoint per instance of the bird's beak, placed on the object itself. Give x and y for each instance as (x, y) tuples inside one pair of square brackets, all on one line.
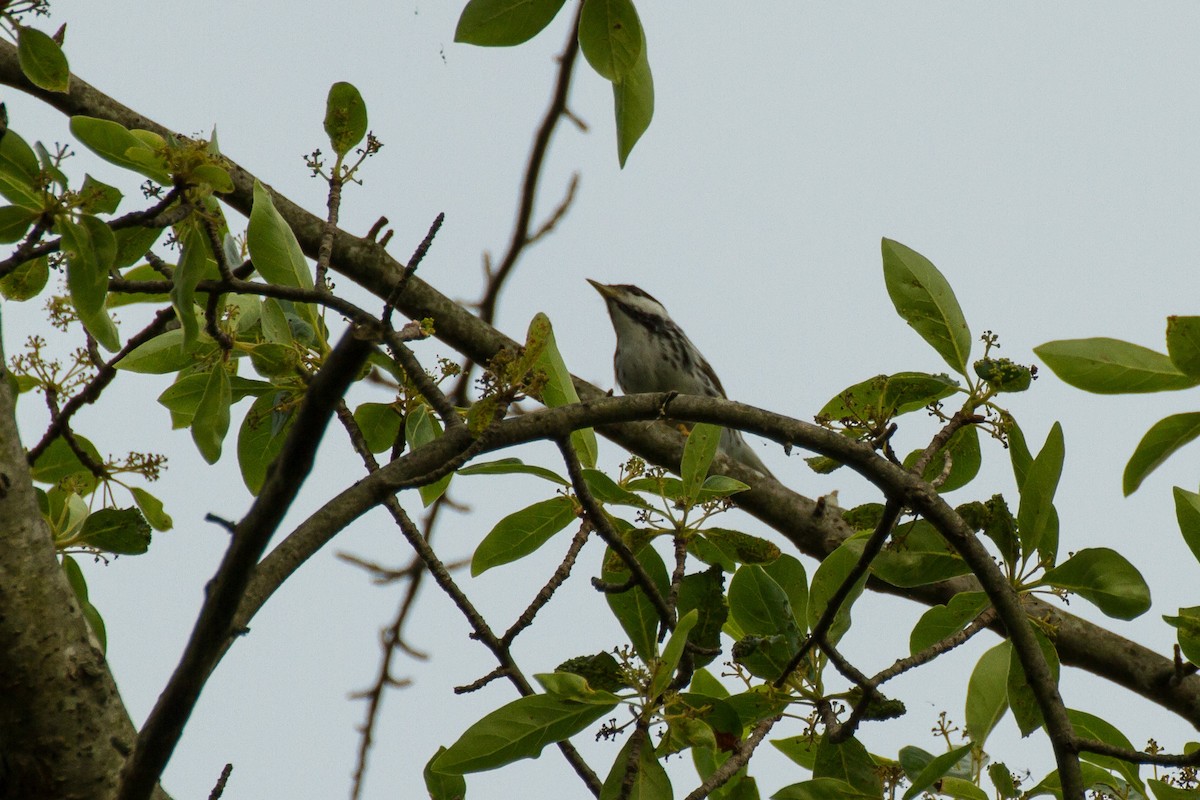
[(605, 291)]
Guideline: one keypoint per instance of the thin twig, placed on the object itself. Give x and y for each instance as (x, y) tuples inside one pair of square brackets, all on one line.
[(891, 513)]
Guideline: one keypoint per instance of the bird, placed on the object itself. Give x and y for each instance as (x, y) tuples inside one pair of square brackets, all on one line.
[(653, 354)]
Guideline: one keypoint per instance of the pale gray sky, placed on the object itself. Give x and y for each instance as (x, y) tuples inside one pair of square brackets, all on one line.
[(1042, 156)]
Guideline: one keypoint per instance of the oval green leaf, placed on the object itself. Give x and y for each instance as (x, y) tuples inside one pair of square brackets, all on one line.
[(1111, 366), (522, 532), (1104, 578), (211, 421), (122, 531), (987, 692), (1183, 344), (517, 730), (559, 389), (379, 422), (1187, 512), (942, 621), (924, 300), (698, 453), (611, 37), (513, 466), (14, 221), (633, 105), (345, 117), (26, 281), (1164, 438), (152, 508), (262, 435), (504, 23), (116, 144), (1037, 519), (42, 60)]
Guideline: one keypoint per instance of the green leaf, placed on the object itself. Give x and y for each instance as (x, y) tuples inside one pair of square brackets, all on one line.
[(1002, 779), (90, 247), (559, 389), (515, 731), (211, 422), (14, 222), (829, 576), (916, 556), (650, 781), (262, 435), (607, 491), (611, 37), (746, 549), (116, 144), (513, 466), (1164, 438), (1183, 344), (1187, 512), (20, 173), (965, 460), (801, 749), (823, 789), (987, 692), (633, 105), (421, 427), (273, 360), (152, 508), (1003, 374), (1105, 578), (1021, 698), (760, 606), (161, 355), (698, 453), (345, 117), (42, 60), (275, 251), (274, 321), (440, 785), (504, 23), (704, 593), (1092, 727), (122, 531), (848, 761), (664, 669), (924, 300), (764, 657), (182, 398), (1187, 632), (633, 609), (788, 572), (1018, 451), (600, 673), (18, 160), (97, 197), (26, 281), (942, 621), (1037, 521), (935, 770), (572, 686), (522, 532), (79, 586), (1111, 366), (380, 424), (132, 245), (1166, 791), (58, 461), (194, 262), (875, 401)]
